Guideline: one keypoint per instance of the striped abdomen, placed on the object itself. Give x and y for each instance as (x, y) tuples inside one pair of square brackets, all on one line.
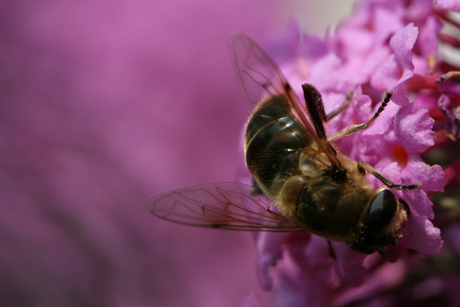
[(274, 140)]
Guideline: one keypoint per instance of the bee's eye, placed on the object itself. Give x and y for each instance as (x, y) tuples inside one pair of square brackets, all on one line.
[(381, 211)]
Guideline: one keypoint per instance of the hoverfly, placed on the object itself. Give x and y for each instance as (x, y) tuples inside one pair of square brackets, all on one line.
[(312, 185)]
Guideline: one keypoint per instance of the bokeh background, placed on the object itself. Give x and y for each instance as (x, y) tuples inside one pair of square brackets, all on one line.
[(103, 104)]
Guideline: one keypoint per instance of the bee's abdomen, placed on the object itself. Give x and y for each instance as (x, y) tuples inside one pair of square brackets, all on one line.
[(274, 139)]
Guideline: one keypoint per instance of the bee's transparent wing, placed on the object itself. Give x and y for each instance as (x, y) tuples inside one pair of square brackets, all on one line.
[(219, 205), (260, 77), (257, 74)]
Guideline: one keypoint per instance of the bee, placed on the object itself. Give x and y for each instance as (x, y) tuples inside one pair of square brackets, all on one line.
[(312, 185)]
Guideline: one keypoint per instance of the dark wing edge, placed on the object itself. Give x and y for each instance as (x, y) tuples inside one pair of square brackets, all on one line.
[(224, 205), (258, 76), (315, 109)]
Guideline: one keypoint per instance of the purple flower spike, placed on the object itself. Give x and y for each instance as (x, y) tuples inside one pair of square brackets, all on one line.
[(382, 46)]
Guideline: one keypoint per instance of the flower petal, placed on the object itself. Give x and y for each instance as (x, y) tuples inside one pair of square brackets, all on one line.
[(422, 236), (413, 128), (452, 5)]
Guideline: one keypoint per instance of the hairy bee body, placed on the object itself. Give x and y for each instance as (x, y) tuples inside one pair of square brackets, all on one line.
[(295, 164), (273, 142), (290, 169)]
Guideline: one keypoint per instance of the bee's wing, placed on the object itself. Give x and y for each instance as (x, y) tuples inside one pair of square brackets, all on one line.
[(218, 205), (259, 77)]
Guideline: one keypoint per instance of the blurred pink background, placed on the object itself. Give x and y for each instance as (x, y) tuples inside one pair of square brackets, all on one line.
[(102, 105)]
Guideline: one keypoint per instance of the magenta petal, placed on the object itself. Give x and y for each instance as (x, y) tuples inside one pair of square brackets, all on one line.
[(402, 43), (427, 41), (349, 263), (269, 248), (386, 74), (413, 128), (419, 203), (453, 5), (431, 177), (398, 67), (398, 89), (421, 235)]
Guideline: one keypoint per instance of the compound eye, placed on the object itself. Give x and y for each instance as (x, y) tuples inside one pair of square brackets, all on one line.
[(381, 211)]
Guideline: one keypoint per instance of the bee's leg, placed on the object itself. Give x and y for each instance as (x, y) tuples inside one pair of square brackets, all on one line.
[(366, 167), (334, 113), (355, 128)]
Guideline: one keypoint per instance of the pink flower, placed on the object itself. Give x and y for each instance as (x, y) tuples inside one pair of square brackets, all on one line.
[(383, 45), (449, 5)]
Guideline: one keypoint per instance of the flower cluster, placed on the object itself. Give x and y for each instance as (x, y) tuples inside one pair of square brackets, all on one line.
[(382, 46)]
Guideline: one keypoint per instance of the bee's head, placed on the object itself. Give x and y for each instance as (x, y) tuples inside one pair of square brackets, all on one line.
[(383, 218)]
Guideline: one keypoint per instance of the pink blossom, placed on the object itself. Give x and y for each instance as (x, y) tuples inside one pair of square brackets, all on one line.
[(383, 45), (449, 5)]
